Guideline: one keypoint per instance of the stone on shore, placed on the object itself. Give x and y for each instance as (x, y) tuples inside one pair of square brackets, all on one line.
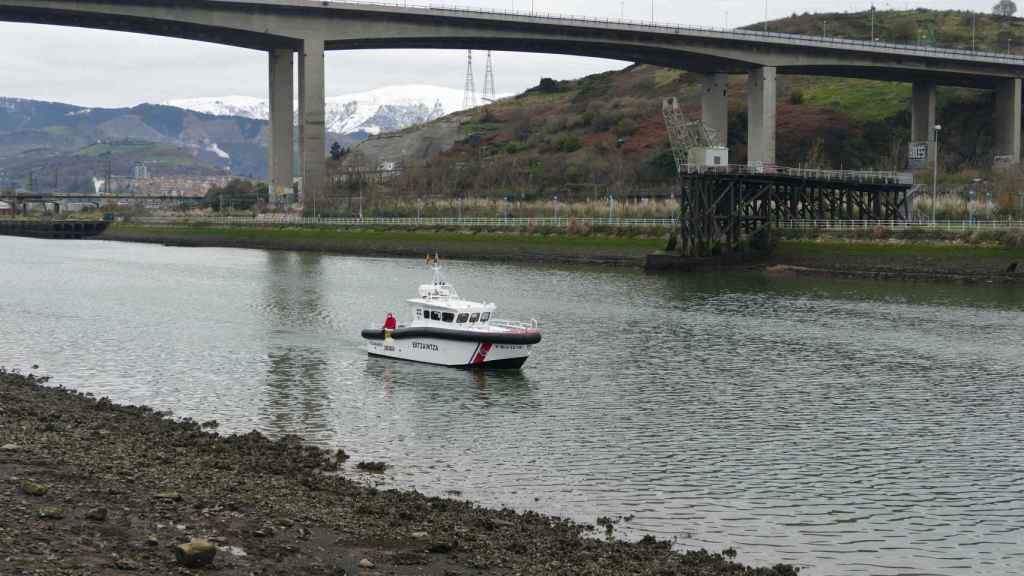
[(97, 515), (374, 467), (196, 554), (10, 448), (34, 489), (365, 563), (52, 513)]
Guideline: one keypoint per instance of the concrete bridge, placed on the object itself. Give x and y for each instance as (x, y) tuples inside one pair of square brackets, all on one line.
[(309, 28)]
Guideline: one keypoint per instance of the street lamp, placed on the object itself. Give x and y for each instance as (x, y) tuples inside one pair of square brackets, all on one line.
[(935, 172), (556, 209)]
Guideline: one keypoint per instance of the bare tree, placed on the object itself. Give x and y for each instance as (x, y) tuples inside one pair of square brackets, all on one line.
[(1005, 8)]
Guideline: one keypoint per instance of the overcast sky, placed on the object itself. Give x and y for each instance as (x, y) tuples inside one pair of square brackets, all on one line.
[(98, 68)]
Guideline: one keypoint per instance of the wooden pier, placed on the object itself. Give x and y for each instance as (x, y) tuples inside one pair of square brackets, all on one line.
[(721, 205)]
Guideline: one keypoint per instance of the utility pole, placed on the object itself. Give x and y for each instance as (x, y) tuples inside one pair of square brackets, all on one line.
[(872, 22), (109, 185), (935, 173), (766, 16), (974, 30)]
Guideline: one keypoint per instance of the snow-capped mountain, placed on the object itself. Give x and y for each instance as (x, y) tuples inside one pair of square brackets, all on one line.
[(244, 106), (383, 110)]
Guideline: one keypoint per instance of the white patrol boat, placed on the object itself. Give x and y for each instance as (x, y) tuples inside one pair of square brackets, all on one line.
[(449, 331)]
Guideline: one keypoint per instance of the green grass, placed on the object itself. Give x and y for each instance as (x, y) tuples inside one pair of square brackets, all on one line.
[(861, 100), (462, 245)]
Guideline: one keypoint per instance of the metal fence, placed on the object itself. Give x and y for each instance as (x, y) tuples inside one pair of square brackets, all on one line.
[(944, 225), (725, 33), (853, 176), (271, 220)]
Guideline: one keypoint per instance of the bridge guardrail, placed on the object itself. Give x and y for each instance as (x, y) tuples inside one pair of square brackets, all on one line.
[(677, 28)]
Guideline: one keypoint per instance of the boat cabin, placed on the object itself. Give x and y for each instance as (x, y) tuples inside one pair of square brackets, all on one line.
[(439, 305)]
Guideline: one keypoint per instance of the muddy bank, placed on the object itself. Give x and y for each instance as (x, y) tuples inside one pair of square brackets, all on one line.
[(514, 246), (89, 487), (901, 260), (897, 275)]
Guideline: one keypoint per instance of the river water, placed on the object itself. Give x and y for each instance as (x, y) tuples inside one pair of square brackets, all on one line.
[(844, 426)]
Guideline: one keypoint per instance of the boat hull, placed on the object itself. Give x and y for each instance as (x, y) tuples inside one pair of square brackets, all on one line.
[(452, 353)]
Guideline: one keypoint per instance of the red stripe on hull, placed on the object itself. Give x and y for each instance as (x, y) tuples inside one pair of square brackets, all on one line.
[(482, 352)]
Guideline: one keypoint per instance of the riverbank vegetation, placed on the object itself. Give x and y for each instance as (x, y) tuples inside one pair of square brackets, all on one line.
[(385, 206), (630, 247), (91, 487), (933, 253)]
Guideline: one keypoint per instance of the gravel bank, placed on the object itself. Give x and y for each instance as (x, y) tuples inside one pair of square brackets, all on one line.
[(90, 487)]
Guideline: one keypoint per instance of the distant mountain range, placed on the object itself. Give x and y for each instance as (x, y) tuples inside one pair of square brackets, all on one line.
[(198, 137), (365, 113), (70, 143)]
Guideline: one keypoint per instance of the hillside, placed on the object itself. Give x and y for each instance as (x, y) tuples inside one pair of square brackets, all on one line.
[(67, 145), (604, 134)]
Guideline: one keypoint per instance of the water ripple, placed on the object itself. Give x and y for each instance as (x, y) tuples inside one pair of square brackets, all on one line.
[(846, 427)]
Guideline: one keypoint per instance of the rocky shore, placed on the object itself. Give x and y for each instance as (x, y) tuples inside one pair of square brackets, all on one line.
[(90, 487)]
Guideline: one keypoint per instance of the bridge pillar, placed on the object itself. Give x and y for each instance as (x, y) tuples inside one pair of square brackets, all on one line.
[(715, 106), (761, 115), (1008, 118), (312, 124), (922, 122), (282, 123)]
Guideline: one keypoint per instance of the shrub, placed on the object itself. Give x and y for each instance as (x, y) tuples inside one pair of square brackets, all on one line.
[(568, 143), (626, 127), (548, 86)]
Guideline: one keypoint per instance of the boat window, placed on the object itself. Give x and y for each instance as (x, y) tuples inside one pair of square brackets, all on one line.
[(485, 317), (419, 313), (435, 315), (474, 318), (448, 317), (462, 318)]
